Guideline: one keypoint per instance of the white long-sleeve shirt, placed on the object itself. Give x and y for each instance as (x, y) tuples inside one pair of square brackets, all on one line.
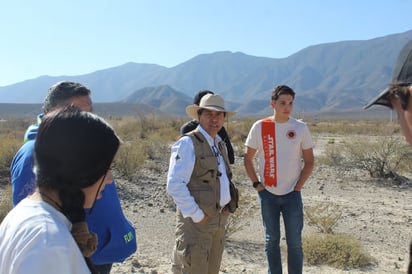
[(182, 160)]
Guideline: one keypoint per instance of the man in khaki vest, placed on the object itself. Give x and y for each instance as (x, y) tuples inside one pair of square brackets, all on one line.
[(198, 181)]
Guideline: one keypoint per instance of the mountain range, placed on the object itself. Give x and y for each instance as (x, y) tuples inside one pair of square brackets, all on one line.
[(328, 78)]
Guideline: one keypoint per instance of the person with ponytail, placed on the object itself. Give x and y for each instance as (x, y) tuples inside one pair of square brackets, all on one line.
[(47, 231), (116, 234)]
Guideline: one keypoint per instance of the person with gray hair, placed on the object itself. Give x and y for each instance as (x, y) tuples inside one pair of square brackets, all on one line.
[(116, 234), (59, 95)]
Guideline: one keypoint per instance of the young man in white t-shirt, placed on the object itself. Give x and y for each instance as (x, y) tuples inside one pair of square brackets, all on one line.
[(281, 142)]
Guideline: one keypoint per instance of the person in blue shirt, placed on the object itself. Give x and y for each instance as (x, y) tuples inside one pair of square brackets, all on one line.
[(116, 235)]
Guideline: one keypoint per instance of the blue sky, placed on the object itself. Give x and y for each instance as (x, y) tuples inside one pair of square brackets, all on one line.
[(59, 37)]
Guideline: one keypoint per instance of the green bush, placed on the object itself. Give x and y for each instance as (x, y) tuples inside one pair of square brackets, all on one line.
[(337, 250)]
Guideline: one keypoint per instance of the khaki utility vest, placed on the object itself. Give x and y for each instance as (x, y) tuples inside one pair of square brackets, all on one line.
[(204, 184)]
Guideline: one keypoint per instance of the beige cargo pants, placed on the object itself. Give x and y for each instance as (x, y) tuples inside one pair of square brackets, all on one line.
[(199, 247)]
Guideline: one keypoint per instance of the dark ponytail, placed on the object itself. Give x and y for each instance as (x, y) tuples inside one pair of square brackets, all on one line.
[(73, 150)]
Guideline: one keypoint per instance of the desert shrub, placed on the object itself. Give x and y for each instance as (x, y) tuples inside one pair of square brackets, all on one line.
[(8, 148), (239, 129), (332, 155), (5, 202), (145, 139), (385, 156), (381, 157), (323, 216), (337, 250), (129, 159), (239, 220), (346, 127), (14, 127)]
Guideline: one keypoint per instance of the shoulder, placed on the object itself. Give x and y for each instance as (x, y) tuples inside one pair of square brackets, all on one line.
[(40, 221), (31, 132), (297, 122), (184, 142), (25, 153)]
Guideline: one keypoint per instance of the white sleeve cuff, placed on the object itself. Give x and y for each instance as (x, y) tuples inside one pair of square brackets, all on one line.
[(198, 216)]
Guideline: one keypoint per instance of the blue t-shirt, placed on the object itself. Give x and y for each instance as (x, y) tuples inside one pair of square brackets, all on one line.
[(116, 235)]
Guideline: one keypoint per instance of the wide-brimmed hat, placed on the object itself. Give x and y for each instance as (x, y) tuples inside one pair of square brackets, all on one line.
[(211, 102), (402, 75)]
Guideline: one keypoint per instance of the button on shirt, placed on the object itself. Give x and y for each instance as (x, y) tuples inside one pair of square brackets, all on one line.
[(182, 160)]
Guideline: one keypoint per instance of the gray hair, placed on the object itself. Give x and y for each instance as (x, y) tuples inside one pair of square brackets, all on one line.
[(60, 92)]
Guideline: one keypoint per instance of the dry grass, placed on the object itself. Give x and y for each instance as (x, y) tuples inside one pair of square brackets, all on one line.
[(5, 202), (146, 139)]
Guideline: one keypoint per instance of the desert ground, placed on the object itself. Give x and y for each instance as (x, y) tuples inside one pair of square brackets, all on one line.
[(375, 212)]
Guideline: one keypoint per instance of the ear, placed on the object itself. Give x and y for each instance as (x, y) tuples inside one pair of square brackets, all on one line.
[(410, 89), (272, 103)]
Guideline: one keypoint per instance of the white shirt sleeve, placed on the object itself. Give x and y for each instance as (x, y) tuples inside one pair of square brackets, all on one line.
[(307, 142), (252, 138), (182, 161)]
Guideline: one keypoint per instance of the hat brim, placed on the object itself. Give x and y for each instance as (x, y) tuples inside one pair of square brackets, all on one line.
[(191, 110), (382, 99)]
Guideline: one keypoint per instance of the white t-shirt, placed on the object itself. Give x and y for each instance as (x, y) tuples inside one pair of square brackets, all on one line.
[(35, 238), (291, 138)]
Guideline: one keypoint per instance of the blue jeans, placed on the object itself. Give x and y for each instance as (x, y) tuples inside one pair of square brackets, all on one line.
[(290, 205)]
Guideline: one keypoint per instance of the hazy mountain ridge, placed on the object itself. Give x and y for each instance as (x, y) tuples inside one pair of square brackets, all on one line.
[(340, 76)]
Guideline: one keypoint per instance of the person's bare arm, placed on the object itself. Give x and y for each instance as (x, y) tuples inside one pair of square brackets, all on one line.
[(309, 163), (250, 167)]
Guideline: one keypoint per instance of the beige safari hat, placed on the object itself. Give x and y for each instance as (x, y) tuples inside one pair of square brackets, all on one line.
[(211, 102)]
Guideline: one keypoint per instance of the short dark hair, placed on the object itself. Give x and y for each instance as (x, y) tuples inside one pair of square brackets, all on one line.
[(60, 92), (200, 94), (280, 90)]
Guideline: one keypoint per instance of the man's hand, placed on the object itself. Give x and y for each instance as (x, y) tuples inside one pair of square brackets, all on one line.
[(260, 187), (204, 220)]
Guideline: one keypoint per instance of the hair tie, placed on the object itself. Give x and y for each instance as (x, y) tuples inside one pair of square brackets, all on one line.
[(86, 240)]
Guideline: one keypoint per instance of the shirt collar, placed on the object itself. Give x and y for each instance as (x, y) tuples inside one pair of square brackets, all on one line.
[(209, 138)]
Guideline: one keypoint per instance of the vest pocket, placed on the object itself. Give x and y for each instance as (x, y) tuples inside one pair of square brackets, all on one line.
[(207, 168), (206, 199)]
